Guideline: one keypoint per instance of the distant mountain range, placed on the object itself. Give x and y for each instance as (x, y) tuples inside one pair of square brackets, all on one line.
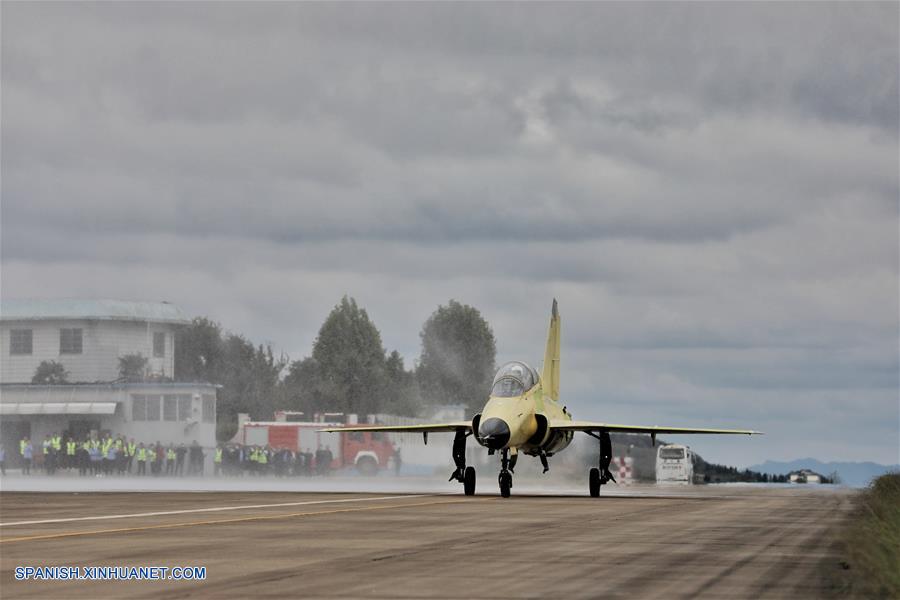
[(856, 474)]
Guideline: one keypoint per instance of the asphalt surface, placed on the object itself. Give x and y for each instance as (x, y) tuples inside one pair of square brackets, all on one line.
[(705, 541)]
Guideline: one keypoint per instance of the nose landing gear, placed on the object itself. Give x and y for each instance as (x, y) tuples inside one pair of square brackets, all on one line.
[(505, 478)]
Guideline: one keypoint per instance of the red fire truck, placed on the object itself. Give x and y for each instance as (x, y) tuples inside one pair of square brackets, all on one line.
[(366, 451)]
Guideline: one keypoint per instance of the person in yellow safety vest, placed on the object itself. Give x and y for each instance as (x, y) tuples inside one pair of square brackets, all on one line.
[(56, 458), (170, 459), (107, 457), (217, 461), (104, 455), (131, 449), (263, 460), (27, 451), (22, 443), (142, 460), (151, 457), (70, 453)]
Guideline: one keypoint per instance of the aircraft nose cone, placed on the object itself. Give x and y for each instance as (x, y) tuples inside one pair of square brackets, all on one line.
[(494, 433)]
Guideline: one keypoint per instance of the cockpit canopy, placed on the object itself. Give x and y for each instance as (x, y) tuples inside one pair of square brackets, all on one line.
[(514, 379)]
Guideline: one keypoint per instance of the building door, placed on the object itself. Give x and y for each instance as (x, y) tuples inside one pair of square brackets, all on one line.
[(80, 429), (11, 432)]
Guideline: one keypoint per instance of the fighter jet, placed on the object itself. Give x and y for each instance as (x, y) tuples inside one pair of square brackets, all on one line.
[(523, 415)]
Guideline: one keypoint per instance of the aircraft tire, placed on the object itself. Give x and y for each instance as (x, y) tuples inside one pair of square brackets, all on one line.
[(594, 482), (505, 484), (469, 481)]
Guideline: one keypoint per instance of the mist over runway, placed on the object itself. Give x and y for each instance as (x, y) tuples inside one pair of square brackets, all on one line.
[(550, 484), (735, 541)]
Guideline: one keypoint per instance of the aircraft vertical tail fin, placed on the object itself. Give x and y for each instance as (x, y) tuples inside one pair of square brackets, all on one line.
[(550, 374)]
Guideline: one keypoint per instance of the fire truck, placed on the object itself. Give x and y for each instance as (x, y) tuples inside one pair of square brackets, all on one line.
[(367, 452)]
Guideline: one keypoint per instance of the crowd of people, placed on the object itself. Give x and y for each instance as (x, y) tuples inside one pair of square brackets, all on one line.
[(109, 455), (115, 455), (237, 459)]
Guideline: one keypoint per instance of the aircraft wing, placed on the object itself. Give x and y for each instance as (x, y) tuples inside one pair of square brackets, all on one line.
[(561, 425), (428, 428)]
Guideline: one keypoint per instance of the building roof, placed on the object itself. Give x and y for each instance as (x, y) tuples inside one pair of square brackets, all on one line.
[(113, 310), (49, 388), (805, 472)]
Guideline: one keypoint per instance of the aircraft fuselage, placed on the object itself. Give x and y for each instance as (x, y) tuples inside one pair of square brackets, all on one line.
[(520, 422)]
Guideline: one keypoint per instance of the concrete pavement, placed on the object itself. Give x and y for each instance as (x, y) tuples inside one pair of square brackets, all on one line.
[(706, 541)]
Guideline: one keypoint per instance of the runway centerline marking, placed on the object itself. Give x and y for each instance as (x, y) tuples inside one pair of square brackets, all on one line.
[(225, 521), (211, 509)]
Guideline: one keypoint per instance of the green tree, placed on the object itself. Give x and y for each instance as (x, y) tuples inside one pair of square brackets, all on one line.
[(133, 367), (249, 378), (248, 375), (348, 370), (350, 360), (50, 372), (458, 357), (199, 351), (302, 387), (401, 393)]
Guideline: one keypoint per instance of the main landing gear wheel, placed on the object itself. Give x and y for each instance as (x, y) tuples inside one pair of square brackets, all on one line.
[(469, 481), (594, 482), (505, 483)]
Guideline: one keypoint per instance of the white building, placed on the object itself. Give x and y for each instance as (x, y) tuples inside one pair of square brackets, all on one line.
[(88, 337), (804, 476)]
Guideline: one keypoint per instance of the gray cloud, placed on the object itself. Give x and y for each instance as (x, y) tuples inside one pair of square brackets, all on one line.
[(711, 190)]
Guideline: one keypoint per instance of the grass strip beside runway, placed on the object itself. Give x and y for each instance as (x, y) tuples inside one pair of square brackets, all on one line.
[(872, 543)]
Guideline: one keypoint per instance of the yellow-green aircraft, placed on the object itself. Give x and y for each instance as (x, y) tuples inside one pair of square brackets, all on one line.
[(523, 416)]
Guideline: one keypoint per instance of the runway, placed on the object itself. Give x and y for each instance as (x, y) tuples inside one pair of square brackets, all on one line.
[(707, 541)]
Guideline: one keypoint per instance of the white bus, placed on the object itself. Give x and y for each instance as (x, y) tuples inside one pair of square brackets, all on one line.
[(674, 464)]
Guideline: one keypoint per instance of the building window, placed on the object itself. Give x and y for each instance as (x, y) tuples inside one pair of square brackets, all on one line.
[(20, 341), (184, 407), (138, 408), (170, 408), (70, 341), (159, 344), (209, 408), (153, 408)]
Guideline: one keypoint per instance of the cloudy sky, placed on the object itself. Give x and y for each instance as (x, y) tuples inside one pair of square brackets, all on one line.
[(710, 190)]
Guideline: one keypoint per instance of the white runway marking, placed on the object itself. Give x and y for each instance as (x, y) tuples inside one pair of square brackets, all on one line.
[(213, 509)]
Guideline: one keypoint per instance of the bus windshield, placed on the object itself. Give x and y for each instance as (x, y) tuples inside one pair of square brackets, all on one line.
[(671, 453)]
